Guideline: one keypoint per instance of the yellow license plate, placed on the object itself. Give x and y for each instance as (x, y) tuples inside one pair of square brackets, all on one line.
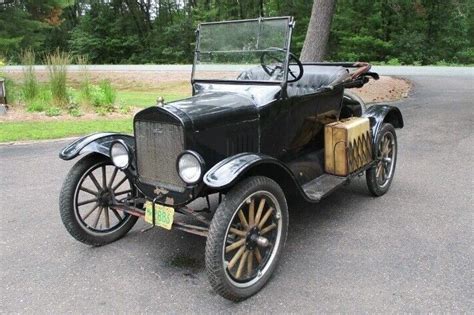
[(163, 215)]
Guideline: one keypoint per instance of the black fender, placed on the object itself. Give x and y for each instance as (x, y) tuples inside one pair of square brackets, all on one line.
[(381, 113), (96, 142), (229, 171)]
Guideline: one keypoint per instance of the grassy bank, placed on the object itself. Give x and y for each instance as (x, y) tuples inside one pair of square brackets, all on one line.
[(40, 130)]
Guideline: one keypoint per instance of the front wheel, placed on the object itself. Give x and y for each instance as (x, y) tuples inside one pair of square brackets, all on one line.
[(379, 178), (91, 187), (246, 237)]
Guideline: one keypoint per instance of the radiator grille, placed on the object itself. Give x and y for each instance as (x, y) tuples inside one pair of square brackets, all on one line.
[(158, 145)]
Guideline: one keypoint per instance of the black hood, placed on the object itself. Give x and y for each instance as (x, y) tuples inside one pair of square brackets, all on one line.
[(213, 108)]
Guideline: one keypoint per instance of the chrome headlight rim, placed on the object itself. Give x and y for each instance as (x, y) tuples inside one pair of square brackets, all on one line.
[(127, 150), (200, 161)]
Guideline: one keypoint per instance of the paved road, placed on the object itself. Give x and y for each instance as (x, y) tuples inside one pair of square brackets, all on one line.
[(382, 70), (409, 251)]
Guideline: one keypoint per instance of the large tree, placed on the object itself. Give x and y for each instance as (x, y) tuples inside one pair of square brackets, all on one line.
[(317, 36)]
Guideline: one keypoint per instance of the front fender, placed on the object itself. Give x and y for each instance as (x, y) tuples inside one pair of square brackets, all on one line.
[(227, 172), (380, 113), (96, 142)]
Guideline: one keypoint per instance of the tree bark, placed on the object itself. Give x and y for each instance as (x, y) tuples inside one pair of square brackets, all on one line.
[(317, 36)]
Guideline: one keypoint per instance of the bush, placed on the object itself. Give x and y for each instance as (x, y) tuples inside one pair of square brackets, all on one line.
[(103, 97), (56, 63), (41, 102), (30, 82), (53, 111), (108, 92), (393, 62)]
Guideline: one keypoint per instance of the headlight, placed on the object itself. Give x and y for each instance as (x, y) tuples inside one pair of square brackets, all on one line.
[(190, 167), (120, 154)]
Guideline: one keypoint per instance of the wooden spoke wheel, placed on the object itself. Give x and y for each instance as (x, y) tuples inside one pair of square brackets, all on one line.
[(246, 237), (91, 188), (379, 177)]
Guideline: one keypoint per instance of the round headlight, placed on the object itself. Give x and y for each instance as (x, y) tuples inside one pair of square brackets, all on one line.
[(189, 167), (119, 154)]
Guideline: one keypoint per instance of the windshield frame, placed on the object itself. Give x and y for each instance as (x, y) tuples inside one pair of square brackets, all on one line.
[(283, 82)]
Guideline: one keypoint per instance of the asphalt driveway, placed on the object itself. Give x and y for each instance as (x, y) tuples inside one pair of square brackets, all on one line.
[(408, 251)]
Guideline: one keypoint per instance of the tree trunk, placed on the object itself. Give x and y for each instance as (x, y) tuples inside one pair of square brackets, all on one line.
[(317, 36)]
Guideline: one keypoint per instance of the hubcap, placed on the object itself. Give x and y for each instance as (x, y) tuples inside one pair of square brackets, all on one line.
[(252, 239)]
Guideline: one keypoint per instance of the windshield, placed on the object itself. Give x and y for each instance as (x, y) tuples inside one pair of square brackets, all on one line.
[(250, 50)]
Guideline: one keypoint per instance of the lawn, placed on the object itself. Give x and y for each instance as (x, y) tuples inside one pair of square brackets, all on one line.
[(48, 129), (39, 130)]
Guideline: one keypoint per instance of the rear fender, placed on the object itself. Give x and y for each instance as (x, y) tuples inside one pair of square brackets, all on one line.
[(97, 142), (381, 113), (229, 171)]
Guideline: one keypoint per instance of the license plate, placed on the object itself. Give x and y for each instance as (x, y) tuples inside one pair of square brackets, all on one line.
[(163, 215)]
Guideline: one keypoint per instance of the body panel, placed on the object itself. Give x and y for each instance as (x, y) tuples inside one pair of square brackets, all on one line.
[(380, 113), (96, 142)]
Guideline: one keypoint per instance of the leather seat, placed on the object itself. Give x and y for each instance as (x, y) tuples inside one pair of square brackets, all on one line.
[(314, 78)]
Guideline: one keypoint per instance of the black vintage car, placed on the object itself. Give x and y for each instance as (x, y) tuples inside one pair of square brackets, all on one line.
[(260, 128)]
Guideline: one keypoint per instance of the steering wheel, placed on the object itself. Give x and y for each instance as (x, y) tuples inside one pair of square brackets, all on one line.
[(271, 63)]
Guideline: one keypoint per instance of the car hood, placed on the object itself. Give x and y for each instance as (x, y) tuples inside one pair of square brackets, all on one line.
[(215, 108)]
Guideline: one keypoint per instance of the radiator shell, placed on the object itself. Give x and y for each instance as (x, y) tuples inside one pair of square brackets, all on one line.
[(347, 145)]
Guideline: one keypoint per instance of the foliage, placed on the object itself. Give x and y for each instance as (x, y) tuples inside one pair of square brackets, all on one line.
[(53, 111), (116, 31), (56, 63), (41, 102), (30, 82)]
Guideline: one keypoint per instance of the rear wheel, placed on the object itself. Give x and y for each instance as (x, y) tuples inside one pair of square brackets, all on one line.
[(246, 238), (379, 178), (91, 187)]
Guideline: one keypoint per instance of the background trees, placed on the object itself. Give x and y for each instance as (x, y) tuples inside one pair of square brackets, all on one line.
[(162, 31)]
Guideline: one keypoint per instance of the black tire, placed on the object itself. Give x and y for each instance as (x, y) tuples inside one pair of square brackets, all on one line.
[(69, 210), (237, 198), (377, 184)]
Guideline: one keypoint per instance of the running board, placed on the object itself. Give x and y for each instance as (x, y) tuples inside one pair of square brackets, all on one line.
[(323, 185)]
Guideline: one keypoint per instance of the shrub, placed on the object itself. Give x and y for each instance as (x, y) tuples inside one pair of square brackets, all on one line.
[(103, 97), (53, 111), (56, 63), (108, 92), (30, 82), (41, 102), (393, 62)]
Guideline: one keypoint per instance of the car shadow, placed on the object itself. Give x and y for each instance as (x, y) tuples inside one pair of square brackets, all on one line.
[(177, 251)]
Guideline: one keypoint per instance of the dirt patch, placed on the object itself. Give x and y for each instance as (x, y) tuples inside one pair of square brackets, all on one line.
[(384, 90)]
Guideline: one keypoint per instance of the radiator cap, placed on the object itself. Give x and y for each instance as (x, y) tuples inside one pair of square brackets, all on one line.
[(160, 101)]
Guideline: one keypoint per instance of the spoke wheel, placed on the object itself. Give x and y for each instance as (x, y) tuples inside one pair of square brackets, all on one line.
[(99, 188), (251, 238), (91, 188), (246, 237), (379, 177)]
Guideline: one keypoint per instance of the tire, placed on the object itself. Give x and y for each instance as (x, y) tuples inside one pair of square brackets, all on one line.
[(69, 206), (248, 194), (378, 181)]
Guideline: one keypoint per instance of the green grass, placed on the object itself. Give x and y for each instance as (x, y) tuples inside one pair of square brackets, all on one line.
[(39, 130), (145, 99), (139, 98)]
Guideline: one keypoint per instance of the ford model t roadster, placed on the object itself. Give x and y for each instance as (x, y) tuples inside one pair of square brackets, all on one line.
[(260, 128)]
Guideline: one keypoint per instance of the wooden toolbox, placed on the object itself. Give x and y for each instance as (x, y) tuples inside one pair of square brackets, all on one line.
[(348, 145)]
